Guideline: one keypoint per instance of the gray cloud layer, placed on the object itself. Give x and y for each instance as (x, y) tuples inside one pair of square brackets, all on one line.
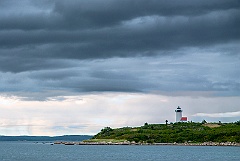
[(110, 45)]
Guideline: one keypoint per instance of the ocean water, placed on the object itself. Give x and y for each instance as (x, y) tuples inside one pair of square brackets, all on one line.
[(29, 151)]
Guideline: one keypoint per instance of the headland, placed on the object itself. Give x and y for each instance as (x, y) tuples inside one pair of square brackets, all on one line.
[(179, 133)]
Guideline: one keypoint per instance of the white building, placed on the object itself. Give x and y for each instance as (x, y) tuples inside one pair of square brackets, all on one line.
[(179, 117)]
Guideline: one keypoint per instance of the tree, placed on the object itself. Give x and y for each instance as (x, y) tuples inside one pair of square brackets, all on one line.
[(166, 122), (204, 121), (106, 130), (237, 123), (219, 123)]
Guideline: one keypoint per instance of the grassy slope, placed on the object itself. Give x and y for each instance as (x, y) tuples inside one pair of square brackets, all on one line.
[(177, 132)]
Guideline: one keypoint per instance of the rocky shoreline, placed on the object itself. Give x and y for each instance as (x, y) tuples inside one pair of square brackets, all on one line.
[(133, 143)]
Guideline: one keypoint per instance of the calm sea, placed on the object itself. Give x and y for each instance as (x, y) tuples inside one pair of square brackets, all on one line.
[(29, 151)]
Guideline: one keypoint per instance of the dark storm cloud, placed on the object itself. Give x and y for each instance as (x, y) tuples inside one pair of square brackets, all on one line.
[(94, 13), (59, 45), (107, 13), (105, 29)]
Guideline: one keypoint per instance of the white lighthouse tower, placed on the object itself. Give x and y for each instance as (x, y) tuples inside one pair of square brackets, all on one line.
[(178, 114)]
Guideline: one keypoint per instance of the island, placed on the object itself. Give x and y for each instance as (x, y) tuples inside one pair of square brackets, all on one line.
[(179, 133)]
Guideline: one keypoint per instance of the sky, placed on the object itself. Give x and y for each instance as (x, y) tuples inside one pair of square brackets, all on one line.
[(75, 67)]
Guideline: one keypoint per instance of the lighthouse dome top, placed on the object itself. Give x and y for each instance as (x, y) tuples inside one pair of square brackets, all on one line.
[(178, 109)]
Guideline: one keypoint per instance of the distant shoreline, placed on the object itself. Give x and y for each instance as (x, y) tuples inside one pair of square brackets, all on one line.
[(132, 143), (71, 138)]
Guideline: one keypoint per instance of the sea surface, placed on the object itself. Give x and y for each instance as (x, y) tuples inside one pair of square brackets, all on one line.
[(31, 151)]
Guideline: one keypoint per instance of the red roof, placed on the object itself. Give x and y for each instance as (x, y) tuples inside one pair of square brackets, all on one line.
[(183, 119)]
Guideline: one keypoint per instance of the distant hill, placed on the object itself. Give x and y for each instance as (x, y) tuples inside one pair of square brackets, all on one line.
[(175, 132), (46, 138)]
